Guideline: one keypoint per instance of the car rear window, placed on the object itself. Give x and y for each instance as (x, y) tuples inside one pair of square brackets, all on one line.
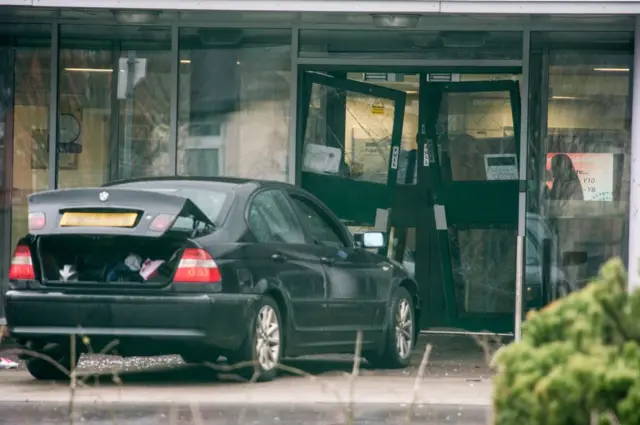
[(212, 202)]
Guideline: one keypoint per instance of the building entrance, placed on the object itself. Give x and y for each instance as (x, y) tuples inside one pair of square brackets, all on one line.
[(435, 163)]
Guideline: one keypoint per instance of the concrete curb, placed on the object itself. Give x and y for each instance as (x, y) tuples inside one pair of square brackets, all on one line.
[(19, 387)]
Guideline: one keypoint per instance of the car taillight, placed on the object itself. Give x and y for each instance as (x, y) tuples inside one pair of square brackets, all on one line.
[(162, 222), (21, 264), (197, 266), (37, 221)]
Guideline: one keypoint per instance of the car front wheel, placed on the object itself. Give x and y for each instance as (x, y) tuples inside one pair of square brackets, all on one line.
[(399, 339), (261, 353)]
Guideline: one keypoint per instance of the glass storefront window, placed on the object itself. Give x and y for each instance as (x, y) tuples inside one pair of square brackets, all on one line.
[(579, 152), (234, 102), (26, 125), (24, 112), (114, 103)]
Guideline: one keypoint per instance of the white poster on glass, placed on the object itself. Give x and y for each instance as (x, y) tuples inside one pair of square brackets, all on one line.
[(502, 166), (321, 159)]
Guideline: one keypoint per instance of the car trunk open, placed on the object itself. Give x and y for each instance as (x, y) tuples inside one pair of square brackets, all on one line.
[(111, 260), (117, 237)]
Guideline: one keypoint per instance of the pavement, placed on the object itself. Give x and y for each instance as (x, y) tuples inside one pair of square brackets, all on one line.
[(455, 389), (325, 414)]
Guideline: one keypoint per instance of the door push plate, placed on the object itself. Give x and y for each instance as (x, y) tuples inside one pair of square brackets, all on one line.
[(395, 153), (440, 217), (427, 156)]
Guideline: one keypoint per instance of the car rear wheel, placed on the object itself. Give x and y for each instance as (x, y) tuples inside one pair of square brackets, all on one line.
[(49, 370), (262, 351), (399, 339)]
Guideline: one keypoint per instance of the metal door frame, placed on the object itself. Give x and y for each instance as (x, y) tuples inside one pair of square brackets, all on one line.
[(430, 170)]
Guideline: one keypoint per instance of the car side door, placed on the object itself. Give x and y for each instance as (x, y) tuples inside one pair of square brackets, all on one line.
[(352, 295), (282, 256)]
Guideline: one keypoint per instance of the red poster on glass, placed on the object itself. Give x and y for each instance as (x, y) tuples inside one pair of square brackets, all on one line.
[(595, 171)]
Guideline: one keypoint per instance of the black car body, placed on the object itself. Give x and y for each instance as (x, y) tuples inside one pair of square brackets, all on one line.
[(226, 247)]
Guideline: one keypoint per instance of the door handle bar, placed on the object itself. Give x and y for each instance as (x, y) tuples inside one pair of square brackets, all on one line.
[(326, 261), (278, 257)]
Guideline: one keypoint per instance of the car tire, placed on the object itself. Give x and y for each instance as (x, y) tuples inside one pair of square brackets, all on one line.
[(262, 350), (400, 336), (45, 370)]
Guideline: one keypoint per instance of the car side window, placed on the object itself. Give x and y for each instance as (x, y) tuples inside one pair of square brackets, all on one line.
[(272, 219), (321, 229)]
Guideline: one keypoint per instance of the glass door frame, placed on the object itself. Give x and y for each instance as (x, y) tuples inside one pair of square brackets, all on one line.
[(430, 173), (6, 188), (307, 78)]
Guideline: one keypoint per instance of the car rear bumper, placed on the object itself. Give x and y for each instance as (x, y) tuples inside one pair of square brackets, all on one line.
[(220, 320)]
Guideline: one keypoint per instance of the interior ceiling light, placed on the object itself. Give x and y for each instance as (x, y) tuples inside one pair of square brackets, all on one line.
[(395, 21), (88, 69), (611, 69), (136, 16)]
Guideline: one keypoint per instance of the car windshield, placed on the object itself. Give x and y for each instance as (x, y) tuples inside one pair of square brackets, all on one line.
[(210, 201)]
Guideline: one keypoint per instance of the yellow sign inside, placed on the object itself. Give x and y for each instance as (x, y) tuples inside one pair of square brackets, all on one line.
[(83, 219)]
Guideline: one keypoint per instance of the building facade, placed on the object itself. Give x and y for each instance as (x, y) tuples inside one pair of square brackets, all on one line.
[(494, 148)]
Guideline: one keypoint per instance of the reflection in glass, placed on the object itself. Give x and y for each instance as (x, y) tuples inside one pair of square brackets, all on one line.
[(402, 247), (477, 136), (484, 272), (6, 118), (30, 127), (579, 147), (234, 102), (114, 104), (145, 110), (84, 117)]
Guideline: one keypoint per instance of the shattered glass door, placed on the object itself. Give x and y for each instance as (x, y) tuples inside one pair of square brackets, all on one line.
[(363, 146), (351, 145)]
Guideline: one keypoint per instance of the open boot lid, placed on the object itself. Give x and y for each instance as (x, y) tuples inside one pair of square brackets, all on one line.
[(112, 211)]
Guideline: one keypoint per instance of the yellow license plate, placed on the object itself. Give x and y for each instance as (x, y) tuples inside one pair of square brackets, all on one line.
[(77, 219)]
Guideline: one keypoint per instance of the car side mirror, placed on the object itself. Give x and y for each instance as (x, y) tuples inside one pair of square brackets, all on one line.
[(574, 258), (369, 240)]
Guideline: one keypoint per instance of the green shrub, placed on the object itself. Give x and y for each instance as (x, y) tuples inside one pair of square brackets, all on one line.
[(577, 357)]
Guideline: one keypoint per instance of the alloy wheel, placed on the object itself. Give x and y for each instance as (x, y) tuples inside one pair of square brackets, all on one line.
[(404, 328), (267, 338)]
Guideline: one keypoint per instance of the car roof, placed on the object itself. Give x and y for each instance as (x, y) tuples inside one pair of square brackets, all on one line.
[(222, 182)]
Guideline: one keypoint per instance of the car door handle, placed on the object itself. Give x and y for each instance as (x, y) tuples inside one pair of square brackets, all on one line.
[(278, 257), (326, 261)]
